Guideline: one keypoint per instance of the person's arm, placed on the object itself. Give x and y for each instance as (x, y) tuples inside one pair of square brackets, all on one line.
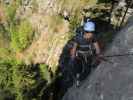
[(98, 51), (73, 51)]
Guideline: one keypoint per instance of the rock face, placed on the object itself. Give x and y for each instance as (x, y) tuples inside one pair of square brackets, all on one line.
[(111, 80)]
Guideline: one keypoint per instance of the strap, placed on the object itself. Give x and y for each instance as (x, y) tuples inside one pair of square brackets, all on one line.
[(85, 53)]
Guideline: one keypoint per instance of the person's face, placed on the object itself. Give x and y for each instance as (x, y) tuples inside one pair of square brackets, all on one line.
[(88, 35)]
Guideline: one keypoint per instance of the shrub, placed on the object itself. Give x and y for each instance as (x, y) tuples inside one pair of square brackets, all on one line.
[(23, 78), (74, 22), (45, 74), (10, 9), (6, 83), (24, 82), (21, 35)]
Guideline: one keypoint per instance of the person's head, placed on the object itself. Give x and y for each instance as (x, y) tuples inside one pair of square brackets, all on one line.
[(89, 28)]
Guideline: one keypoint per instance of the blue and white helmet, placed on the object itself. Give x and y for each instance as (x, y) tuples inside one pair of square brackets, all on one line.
[(89, 26)]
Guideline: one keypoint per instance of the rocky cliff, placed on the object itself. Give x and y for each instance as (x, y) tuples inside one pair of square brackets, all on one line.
[(33, 36), (112, 80)]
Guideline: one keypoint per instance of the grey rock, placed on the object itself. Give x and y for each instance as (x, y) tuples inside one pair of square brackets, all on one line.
[(110, 81)]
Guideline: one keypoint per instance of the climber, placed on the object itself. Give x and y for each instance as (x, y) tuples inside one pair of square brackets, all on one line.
[(84, 51)]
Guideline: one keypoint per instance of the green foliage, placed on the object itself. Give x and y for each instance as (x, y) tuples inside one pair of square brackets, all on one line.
[(11, 9), (21, 35), (4, 37), (5, 54), (45, 74), (21, 31), (74, 22), (14, 37), (5, 75), (10, 12), (25, 33), (6, 71), (22, 81)]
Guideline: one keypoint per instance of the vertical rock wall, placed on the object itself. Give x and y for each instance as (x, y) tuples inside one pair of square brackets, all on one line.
[(112, 80)]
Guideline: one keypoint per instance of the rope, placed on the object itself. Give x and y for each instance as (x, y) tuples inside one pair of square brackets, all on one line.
[(118, 55)]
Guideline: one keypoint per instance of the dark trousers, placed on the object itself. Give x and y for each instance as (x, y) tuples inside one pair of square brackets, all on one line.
[(83, 67)]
